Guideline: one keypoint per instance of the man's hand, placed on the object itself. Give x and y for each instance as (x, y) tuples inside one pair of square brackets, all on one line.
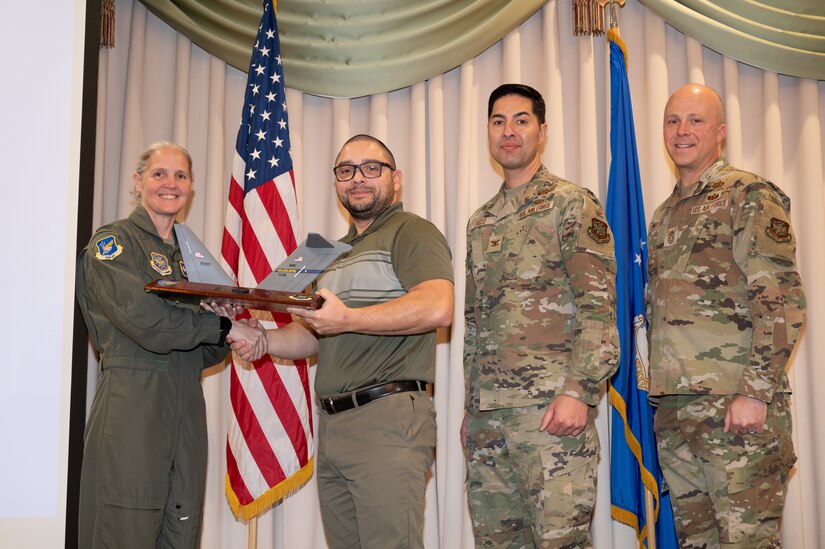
[(745, 415), (332, 318), (247, 338), (566, 416)]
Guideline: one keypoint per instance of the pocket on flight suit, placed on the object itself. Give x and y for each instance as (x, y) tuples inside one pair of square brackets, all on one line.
[(135, 443)]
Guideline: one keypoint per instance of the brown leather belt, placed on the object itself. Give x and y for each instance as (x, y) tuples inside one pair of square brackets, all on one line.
[(360, 397)]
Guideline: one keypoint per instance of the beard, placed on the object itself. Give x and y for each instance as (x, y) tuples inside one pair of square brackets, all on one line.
[(368, 209)]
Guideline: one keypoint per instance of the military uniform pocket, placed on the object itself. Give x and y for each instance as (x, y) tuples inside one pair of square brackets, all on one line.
[(757, 480), (684, 246), (569, 494)]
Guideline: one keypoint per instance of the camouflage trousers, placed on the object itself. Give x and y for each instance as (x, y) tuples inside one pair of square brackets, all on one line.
[(727, 490), (529, 489)]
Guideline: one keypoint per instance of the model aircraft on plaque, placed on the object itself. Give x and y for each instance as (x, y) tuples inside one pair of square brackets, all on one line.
[(281, 289)]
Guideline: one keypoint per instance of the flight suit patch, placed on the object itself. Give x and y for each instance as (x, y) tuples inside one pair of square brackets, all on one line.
[(779, 230), (108, 248), (598, 231), (160, 264), (183, 269)]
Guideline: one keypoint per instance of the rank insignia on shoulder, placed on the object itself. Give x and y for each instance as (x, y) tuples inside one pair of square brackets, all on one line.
[(718, 185), (161, 264), (182, 266), (598, 231), (779, 230), (108, 248)]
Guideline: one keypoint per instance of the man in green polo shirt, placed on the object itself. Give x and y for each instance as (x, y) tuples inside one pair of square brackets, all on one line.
[(375, 340)]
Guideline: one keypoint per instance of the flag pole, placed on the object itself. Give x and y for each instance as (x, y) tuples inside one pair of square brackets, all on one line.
[(650, 512), (252, 541)]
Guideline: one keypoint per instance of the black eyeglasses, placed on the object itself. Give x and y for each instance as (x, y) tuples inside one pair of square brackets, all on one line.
[(370, 170)]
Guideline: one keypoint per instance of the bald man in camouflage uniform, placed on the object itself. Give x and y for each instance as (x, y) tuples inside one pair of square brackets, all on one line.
[(725, 308), (540, 340)]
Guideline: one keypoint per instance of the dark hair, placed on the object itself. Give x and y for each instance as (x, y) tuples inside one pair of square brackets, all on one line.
[(522, 90), (365, 137)]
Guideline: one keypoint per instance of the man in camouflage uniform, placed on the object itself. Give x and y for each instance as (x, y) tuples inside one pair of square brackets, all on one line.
[(725, 306), (540, 340)]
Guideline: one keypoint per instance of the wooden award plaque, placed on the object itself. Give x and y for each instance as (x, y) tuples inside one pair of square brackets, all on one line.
[(183, 291)]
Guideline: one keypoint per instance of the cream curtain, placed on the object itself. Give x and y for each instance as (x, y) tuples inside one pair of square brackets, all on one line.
[(157, 85)]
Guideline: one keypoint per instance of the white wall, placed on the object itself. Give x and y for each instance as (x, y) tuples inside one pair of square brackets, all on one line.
[(41, 65)]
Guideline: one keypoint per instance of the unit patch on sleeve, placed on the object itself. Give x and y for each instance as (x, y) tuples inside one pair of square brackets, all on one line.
[(108, 248), (779, 230), (161, 264), (598, 231)]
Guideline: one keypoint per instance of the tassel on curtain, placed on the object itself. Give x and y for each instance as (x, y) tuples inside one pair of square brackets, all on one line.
[(588, 15), (107, 24)]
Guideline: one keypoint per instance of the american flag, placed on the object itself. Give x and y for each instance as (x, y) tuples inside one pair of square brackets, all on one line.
[(269, 443)]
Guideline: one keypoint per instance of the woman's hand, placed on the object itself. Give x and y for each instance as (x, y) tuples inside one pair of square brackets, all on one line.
[(226, 309)]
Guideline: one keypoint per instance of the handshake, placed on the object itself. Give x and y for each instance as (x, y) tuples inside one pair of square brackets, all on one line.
[(247, 337), (298, 339)]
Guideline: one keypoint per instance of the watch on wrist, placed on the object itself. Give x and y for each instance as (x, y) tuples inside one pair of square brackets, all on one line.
[(226, 325)]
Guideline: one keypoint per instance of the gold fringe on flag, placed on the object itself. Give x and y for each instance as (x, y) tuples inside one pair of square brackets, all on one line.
[(273, 496), (107, 24)]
